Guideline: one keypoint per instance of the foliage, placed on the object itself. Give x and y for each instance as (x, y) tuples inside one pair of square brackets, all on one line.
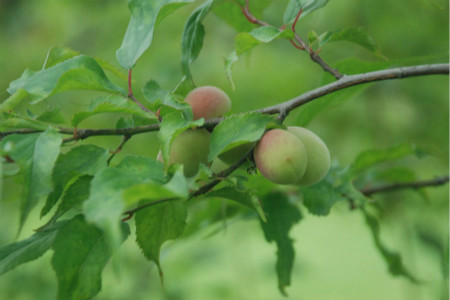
[(89, 197)]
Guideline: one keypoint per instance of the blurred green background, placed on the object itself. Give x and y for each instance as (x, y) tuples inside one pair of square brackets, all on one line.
[(335, 255)]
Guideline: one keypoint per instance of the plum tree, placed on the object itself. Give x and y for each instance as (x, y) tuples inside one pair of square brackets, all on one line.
[(234, 154), (318, 155), (281, 157), (190, 149), (208, 102)]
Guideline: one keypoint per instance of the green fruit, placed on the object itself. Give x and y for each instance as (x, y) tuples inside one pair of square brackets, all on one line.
[(208, 102), (318, 155), (234, 154), (190, 149), (281, 157)]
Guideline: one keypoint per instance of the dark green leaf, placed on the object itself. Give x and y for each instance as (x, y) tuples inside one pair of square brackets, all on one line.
[(173, 125), (192, 38), (81, 253), (111, 104), (370, 158), (307, 6), (281, 216), (75, 195), (105, 204), (157, 224), (81, 160), (145, 15), (78, 73), (236, 130), (27, 250), (54, 116), (392, 258)]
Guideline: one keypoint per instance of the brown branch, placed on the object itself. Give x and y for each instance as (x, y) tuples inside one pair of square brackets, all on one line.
[(368, 191), (284, 107), (125, 139), (131, 95)]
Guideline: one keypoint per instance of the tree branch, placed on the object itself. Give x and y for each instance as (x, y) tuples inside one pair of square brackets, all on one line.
[(286, 107), (368, 191)]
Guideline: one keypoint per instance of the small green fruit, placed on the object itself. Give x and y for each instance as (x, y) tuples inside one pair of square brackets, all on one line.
[(281, 157), (190, 149), (318, 155), (208, 102)]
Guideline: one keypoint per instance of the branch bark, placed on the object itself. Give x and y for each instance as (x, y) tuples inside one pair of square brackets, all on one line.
[(285, 107), (368, 191)]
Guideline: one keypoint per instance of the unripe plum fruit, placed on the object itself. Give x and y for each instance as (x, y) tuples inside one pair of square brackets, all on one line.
[(190, 148), (234, 154), (208, 102), (281, 157), (318, 155)]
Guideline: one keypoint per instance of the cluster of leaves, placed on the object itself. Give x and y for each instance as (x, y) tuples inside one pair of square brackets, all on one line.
[(89, 196)]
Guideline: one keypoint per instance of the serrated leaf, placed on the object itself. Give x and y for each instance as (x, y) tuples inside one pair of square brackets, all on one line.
[(236, 130), (111, 104), (57, 55), (392, 258), (81, 160), (74, 195), (27, 250), (244, 41), (336, 186), (105, 204), (80, 254), (281, 217), (12, 120), (177, 187), (373, 157), (193, 35), (173, 125), (158, 224), (158, 97), (307, 6), (13, 100), (139, 35), (357, 35), (77, 73), (37, 154)]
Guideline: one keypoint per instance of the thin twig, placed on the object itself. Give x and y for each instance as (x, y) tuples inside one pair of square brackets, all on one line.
[(287, 106), (131, 95), (125, 139), (368, 191)]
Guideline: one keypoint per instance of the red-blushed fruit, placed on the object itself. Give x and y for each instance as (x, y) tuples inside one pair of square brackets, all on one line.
[(190, 148), (281, 157), (208, 102), (318, 155)]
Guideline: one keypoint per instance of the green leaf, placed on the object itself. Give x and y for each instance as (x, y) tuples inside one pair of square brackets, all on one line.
[(57, 55), (357, 35), (236, 130), (145, 15), (37, 154), (74, 195), (307, 6), (54, 116), (229, 61), (193, 35), (157, 224), (336, 186), (158, 97), (81, 253), (105, 204), (78, 73), (12, 101), (177, 187), (244, 41), (392, 258), (281, 216), (12, 120), (81, 160), (173, 125), (111, 104), (27, 250), (370, 158)]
